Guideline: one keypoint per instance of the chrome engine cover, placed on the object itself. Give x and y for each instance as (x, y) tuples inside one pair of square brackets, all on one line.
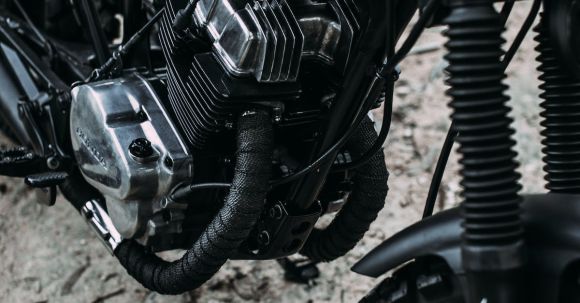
[(106, 117)]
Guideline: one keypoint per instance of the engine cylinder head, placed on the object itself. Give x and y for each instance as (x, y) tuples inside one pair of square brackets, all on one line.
[(253, 54)]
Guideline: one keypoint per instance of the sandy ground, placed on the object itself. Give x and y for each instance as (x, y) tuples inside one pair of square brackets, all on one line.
[(50, 255)]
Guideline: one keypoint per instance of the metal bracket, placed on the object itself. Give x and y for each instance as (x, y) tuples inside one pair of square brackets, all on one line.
[(303, 272)]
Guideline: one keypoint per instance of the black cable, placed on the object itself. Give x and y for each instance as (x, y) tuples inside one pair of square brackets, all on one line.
[(385, 70), (364, 107), (184, 17), (410, 41), (509, 55), (439, 171), (114, 60), (506, 10), (385, 129), (35, 29), (382, 74)]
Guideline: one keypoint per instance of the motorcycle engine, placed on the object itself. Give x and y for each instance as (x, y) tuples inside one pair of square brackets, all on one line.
[(137, 139), (255, 56)]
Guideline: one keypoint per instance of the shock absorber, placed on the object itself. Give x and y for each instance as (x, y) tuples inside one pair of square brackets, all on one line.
[(492, 248), (561, 117)]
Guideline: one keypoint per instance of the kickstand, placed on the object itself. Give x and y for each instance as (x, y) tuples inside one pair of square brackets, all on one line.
[(300, 271)]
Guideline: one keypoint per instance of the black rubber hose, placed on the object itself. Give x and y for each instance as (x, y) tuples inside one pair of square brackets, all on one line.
[(366, 201), (229, 228)]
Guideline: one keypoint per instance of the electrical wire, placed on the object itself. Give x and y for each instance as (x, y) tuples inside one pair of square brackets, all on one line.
[(114, 60), (387, 69), (506, 10), (364, 107), (528, 22), (385, 129), (439, 171), (428, 12), (384, 75)]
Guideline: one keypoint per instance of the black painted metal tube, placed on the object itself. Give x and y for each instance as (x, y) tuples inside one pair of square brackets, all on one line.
[(93, 29), (9, 99), (134, 18)]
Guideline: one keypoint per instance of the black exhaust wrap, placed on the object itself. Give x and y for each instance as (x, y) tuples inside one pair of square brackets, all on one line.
[(366, 201), (228, 229)]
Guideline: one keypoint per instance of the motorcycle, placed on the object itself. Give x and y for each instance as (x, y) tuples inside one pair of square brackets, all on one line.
[(228, 128)]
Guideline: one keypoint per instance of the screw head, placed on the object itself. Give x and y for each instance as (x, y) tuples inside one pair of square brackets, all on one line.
[(141, 148), (168, 162), (53, 163), (264, 238)]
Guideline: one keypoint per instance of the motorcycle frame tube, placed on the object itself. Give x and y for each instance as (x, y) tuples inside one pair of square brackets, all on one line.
[(89, 20), (9, 99), (48, 82)]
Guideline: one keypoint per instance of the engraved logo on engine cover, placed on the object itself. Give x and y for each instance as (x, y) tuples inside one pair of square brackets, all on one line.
[(90, 147)]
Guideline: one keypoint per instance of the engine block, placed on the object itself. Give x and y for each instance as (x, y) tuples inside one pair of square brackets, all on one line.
[(254, 54)]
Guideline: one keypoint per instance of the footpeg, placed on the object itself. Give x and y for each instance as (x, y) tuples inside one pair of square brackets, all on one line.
[(48, 179), (20, 162), (45, 185)]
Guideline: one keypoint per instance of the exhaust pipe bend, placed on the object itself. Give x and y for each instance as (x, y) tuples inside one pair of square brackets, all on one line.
[(229, 228), (365, 203)]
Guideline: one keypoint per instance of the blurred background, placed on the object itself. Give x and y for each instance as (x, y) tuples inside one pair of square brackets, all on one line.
[(50, 255)]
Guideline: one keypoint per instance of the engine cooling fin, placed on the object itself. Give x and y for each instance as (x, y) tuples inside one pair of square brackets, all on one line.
[(205, 98)]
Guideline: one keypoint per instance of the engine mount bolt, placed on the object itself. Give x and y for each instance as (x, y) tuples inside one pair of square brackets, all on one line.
[(141, 148), (277, 114), (264, 238), (168, 162), (276, 212), (53, 163)]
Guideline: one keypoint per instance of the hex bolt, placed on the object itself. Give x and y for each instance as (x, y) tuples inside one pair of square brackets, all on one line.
[(141, 148), (277, 114), (168, 162), (276, 212), (53, 163), (264, 238)]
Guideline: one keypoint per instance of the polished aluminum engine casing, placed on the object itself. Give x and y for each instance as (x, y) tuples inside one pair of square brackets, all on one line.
[(106, 117)]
